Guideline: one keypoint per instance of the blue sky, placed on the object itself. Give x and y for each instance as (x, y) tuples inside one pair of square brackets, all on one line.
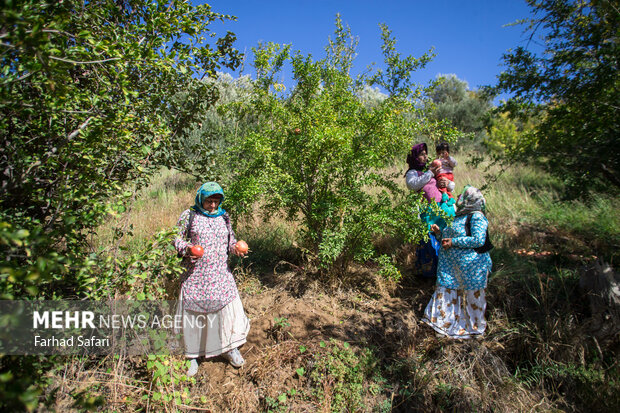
[(468, 36)]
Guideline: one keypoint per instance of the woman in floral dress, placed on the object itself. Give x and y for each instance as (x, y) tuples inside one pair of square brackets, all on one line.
[(458, 304), (214, 322)]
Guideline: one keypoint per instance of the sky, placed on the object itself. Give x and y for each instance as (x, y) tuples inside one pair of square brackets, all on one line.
[(468, 36)]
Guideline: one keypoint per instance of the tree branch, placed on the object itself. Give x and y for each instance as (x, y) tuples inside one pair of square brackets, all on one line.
[(82, 126), (84, 63)]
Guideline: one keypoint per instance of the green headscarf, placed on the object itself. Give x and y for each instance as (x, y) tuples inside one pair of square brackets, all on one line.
[(470, 200), (205, 191)]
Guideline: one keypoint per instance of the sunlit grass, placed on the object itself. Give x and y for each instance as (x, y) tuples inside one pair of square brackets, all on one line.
[(520, 196), (154, 208)]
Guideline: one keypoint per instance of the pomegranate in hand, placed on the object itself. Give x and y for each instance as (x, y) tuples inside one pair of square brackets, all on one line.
[(196, 251), (242, 247)]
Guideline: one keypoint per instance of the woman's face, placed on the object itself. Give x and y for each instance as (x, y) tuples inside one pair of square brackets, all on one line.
[(423, 157), (211, 203)]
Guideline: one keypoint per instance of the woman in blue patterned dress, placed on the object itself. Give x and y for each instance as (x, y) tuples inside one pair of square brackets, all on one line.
[(457, 306)]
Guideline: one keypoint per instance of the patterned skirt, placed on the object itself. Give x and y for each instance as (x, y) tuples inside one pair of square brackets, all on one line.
[(457, 313)]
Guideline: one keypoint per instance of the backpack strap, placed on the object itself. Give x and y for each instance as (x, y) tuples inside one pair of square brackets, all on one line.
[(488, 246), (192, 214), (227, 221)]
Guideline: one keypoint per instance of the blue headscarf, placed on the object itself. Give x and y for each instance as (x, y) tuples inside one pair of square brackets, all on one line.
[(205, 191)]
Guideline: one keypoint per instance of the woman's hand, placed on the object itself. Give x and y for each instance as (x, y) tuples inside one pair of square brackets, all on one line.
[(442, 182), (188, 253), (237, 252), (434, 169), (446, 243), (435, 229)]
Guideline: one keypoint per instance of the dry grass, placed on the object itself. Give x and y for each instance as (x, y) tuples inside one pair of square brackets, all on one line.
[(465, 376), (154, 208), (415, 370)]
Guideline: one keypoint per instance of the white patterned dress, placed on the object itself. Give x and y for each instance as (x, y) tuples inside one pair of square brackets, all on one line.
[(458, 304), (209, 297)]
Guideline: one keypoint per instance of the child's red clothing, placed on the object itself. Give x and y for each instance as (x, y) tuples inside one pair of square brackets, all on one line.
[(450, 177), (447, 165)]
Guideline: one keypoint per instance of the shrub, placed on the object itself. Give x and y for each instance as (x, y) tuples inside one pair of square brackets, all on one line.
[(316, 152)]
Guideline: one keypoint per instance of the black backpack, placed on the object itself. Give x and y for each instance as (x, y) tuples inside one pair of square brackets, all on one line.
[(487, 241)]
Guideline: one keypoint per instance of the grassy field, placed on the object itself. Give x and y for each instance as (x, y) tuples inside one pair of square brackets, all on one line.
[(356, 343)]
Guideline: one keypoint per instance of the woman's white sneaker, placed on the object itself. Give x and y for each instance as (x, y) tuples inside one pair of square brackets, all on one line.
[(234, 358), (193, 368)]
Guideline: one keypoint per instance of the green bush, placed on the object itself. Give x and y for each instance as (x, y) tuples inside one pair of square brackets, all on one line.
[(316, 152), (88, 113)]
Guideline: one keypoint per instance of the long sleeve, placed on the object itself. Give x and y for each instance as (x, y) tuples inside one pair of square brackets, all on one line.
[(451, 161), (233, 237), (180, 242), (479, 226), (447, 165), (451, 186), (415, 182)]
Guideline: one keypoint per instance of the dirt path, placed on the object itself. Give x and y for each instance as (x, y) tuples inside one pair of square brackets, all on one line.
[(281, 324)]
